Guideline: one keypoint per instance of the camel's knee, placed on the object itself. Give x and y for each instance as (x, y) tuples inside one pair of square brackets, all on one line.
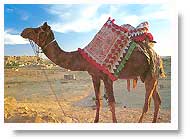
[(111, 98), (145, 109), (157, 99), (98, 103), (146, 106), (158, 103)]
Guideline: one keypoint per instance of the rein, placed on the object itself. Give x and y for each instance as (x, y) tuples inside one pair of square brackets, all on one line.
[(37, 50), (44, 47)]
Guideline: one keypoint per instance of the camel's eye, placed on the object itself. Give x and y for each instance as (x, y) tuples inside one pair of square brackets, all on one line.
[(42, 36)]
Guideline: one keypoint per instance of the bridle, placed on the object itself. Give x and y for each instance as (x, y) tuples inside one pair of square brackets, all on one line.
[(38, 38), (35, 46), (36, 50)]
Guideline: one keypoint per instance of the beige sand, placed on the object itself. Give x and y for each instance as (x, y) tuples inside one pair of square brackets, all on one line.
[(28, 98)]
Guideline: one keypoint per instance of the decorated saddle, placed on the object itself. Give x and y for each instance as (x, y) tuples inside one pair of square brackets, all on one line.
[(112, 46), (140, 33)]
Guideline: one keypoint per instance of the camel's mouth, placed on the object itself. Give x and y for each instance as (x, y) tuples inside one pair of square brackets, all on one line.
[(27, 33), (24, 34)]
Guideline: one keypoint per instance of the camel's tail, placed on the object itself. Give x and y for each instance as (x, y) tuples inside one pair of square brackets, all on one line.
[(162, 72), (134, 84)]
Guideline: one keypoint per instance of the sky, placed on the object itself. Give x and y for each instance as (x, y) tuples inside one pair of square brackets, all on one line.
[(75, 25)]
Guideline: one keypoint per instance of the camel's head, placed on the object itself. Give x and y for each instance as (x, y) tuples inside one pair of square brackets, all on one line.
[(42, 35)]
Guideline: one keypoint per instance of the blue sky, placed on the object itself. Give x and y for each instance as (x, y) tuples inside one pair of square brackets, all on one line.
[(75, 25)]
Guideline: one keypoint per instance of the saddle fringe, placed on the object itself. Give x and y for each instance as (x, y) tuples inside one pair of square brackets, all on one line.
[(129, 84)]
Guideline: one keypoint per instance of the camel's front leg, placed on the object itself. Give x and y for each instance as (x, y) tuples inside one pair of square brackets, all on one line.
[(111, 100), (96, 83)]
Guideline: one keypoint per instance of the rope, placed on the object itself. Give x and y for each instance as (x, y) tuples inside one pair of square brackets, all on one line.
[(35, 48), (56, 97)]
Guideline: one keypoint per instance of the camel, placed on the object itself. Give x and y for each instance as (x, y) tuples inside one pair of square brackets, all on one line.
[(136, 66)]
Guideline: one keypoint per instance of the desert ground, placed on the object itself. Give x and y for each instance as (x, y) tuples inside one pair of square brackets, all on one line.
[(28, 97)]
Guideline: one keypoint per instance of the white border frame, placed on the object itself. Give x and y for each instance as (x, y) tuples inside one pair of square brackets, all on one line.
[(100, 126)]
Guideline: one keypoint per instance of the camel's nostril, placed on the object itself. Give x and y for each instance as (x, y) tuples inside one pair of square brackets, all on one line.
[(21, 34), (25, 33)]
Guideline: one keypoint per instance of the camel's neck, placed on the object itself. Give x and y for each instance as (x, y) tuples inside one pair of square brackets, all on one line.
[(68, 60)]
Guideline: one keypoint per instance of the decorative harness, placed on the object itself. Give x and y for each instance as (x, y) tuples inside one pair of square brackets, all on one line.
[(36, 50), (35, 46)]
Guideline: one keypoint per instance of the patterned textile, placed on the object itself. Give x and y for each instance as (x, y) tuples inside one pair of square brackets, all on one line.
[(110, 49), (140, 32), (113, 45)]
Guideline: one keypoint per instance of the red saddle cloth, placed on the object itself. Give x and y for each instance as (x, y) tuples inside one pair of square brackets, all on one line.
[(107, 48), (140, 32), (112, 46)]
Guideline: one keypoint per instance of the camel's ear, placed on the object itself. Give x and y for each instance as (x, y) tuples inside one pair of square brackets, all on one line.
[(45, 26)]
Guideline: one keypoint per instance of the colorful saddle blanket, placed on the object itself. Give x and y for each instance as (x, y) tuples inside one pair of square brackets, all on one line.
[(140, 32), (110, 49)]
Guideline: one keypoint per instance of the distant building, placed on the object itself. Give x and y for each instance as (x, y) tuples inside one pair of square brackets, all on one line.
[(8, 59), (22, 61), (69, 77)]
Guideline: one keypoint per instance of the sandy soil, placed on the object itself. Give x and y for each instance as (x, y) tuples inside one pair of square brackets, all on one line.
[(28, 98)]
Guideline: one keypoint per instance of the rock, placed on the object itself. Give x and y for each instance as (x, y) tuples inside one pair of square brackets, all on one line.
[(7, 115), (10, 100), (38, 119), (49, 119), (26, 108), (68, 119)]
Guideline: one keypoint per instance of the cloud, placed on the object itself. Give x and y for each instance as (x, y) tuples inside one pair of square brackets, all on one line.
[(9, 10), (84, 18), (158, 15), (13, 39), (132, 20), (164, 48), (90, 11), (80, 25)]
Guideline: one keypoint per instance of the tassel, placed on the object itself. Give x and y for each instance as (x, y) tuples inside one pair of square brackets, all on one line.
[(134, 83), (128, 85), (113, 20)]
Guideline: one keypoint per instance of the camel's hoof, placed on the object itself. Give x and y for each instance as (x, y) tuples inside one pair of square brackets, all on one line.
[(140, 121), (96, 121), (114, 121), (154, 121)]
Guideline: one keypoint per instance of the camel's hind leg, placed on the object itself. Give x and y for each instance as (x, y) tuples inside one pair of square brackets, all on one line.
[(111, 100), (157, 103), (150, 84), (96, 83)]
